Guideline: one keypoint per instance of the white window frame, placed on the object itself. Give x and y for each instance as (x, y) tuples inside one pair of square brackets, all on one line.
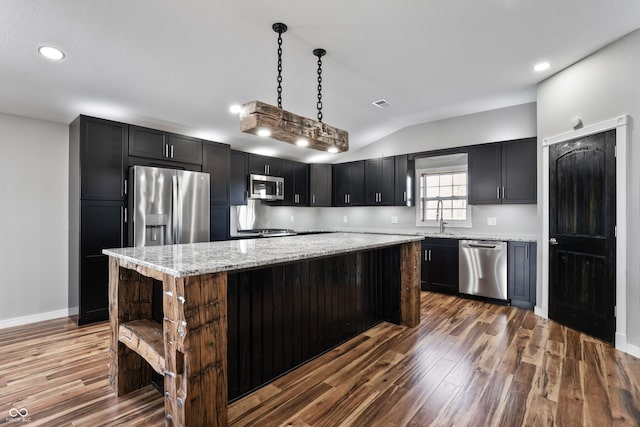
[(450, 223)]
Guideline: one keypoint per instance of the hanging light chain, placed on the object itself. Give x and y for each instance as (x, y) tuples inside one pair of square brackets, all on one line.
[(319, 53), (279, 28)]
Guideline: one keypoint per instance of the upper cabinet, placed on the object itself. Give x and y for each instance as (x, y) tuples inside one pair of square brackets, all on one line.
[(503, 172), (320, 185), (296, 183), (238, 179), (348, 184), (264, 165), (102, 155), (379, 181), (155, 144), (404, 177), (217, 163)]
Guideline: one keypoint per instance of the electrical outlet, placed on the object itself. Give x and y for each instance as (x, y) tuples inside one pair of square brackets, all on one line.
[(345, 219), (492, 220), (394, 219), (291, 218)]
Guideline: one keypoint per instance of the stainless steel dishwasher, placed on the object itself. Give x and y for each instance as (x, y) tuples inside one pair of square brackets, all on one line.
[(482, 268)]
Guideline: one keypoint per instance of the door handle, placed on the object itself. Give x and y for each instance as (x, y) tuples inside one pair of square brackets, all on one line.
[(553, 241)]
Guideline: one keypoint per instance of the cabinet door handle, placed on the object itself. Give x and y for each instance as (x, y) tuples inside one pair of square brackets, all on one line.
[(498, 193), (313, 199), (166, 150), (296, 198), (429, 255), (349, 198), (124, 190), (425, 255), (526, 252), (404, 196), (172, 151), (503, 192)]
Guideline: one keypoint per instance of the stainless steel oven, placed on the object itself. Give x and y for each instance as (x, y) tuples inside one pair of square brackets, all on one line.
[(266, 187)]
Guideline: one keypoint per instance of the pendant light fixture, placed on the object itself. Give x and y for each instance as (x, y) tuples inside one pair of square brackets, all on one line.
[(259, 118)]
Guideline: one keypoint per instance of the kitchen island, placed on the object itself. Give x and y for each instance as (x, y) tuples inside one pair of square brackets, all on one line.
[(237, 314)]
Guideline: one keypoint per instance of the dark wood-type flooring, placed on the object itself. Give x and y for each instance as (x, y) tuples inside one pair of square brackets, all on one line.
[(468, 364)]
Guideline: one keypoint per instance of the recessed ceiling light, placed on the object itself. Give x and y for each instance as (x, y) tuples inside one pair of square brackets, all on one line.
[(541, 66), (301, 142), (332, 150), (264, 132), (235, 109), (51, 52)]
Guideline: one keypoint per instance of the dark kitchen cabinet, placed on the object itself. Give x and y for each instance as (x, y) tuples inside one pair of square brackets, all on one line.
[(219, 222), (379, 182), (264, 165), (97, 202), (348, 184), (296, 183), (238, 178), (156, 144), (440, 265), (503, 172), (320, 184), (522, 274), (404, 177), (216, 161), (101, 226), (103, 147)]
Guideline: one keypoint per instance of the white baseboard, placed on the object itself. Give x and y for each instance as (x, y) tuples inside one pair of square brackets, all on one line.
[(24, 320), (541, 311), (633, 350)]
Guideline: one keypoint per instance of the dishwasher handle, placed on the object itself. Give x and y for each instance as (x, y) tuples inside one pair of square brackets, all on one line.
[(475, 245)]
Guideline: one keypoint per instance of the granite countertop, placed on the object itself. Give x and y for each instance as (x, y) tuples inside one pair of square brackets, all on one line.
[(458, 234), (211, 257)]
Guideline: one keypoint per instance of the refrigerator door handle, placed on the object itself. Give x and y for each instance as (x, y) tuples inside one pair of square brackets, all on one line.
[(174, 209)]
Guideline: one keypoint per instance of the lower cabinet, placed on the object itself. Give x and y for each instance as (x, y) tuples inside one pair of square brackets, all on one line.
[(440, 265), (101, 227), (521, 272)]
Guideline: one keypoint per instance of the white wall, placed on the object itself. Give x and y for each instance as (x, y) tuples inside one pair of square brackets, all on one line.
[(34, 195), (489, 126), (601, 87)]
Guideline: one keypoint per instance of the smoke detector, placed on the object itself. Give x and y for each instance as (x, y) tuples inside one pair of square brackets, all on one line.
[(381, 103)]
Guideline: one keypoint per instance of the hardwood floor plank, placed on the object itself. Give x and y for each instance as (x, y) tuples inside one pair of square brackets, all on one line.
[(468, 363)]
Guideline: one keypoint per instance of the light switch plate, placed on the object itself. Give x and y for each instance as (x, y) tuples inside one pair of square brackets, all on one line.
[(492, 220)]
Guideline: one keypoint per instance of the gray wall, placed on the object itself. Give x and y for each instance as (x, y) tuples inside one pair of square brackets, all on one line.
[(34, 169), (488, 126), (601, 87)]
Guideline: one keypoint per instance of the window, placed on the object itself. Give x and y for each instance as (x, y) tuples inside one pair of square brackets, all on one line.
[(451, 188), (443, 180)]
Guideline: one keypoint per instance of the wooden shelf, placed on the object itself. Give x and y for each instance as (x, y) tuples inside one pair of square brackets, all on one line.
[(145, 338)]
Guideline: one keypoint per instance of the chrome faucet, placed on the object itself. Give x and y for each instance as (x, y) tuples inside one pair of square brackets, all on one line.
[(440, 215)]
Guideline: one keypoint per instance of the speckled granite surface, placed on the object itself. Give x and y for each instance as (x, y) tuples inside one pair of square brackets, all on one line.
[(200, 258), (457, 234)]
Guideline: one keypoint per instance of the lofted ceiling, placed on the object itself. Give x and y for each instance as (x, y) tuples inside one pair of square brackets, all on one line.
[(179, 65)]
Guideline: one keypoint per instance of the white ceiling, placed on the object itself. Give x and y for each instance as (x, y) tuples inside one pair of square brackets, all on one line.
[(179, 65)]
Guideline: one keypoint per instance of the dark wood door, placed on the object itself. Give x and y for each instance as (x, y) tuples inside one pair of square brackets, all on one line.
[(341, 179), (356, 183), (440, 265), (582, 231), (320, 184), (301, 184), (103, 159), (238, 178), (216, 162), (485, 164), (144, 142), (519, 171), (185, 149)]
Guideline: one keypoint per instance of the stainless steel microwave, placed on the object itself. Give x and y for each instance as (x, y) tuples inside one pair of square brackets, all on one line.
[(266, 187)]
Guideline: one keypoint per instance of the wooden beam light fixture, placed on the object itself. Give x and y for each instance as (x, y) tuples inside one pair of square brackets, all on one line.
[(259, 118)]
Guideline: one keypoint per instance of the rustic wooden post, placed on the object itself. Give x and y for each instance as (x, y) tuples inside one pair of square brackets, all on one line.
[(410, 284)]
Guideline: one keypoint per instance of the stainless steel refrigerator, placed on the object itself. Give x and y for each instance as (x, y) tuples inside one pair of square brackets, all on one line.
[(168, 206)]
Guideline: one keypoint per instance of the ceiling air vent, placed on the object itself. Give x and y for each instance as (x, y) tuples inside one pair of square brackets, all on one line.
[(381, 103)]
